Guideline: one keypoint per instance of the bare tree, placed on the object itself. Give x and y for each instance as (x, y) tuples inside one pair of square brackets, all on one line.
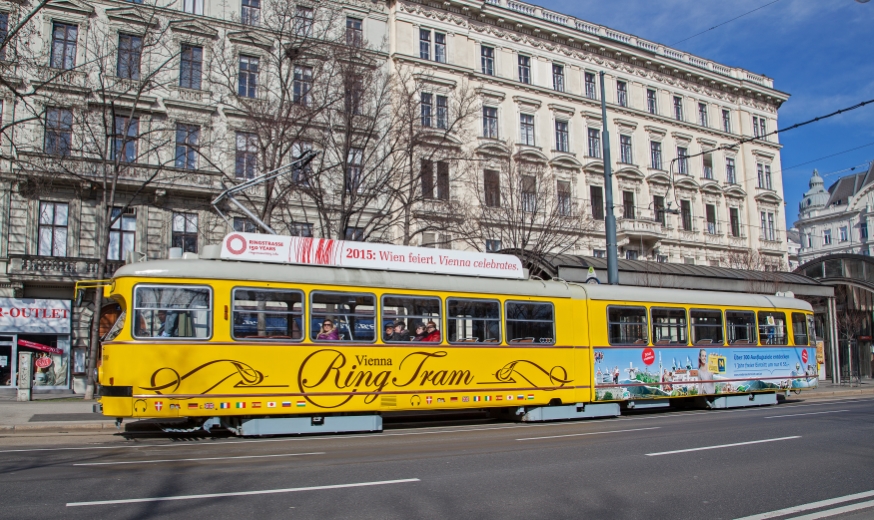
[(100, 128), (517, 204)]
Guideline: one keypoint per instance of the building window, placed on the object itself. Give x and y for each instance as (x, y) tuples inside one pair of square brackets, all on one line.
[(428, 119), (436, 240), (726, 120), (863, 230), (302, 85), (622, 93), (686, 214), (492, 188), (768, 226), (662, 259), (628, 205), (827, 237), (490, 122), (655, 153), (248, 77), (427, 180), (730, 175), (303, 21), (192, 6), (185, 232), (658, 209), (439, 54), (682, 161), (594, 143), (625, 149), (487, 58), (591, 90), (529, 193), (596, 194), (130, 49), (763, 131), (564, 198), (702, 114), (764, 173), (632, 254), (64, 45), (442, 113), (353, 95), (59, 131), (652, 101), (191, 67), (525, 69), (843, 234), (354, 234), (734, 218), (300, 229), (122, 234), (708, 166), (4, 32), (250, 13), (124, 140), (354, 169), (710, 217), (354, 34), (809, 240), (599, 253), (244, 225), (246, 161), (526, 126), (427, 109), (678, 108), (187, 137), (558, 77), (493, 246), (561, 136), (52, 238)]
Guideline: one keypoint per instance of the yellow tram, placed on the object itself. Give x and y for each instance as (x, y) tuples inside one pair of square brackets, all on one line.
[(272, 345)]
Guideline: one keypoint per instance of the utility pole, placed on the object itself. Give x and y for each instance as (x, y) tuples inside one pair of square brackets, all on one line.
[(609, 217)]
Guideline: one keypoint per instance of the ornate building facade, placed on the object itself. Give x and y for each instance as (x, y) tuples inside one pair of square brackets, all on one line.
[(181, 87)]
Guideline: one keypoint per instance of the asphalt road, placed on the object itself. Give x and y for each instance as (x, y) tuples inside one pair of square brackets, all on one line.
[(810, 458)]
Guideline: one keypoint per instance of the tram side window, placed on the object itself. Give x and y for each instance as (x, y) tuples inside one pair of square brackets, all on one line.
[(669, 326), (408, 318), (741, 326), (172, 311), (627, 325), (530, 322), (799, 329), (342, 317), (706, 327), (267, 314), (772, 328), (473, 320)]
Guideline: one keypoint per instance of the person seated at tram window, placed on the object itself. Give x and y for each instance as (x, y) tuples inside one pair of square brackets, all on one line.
[(389, 330), (420, 333), (400, 332), (328, 332), (165, 326), (433, 334)]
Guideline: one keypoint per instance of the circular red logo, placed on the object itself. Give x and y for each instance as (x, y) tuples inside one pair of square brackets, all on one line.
[(236, 244), (43, 362), (648, 356), (804, 356)]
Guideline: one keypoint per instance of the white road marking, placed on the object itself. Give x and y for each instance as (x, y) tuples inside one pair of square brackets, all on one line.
[(722, 446), (417, 431), (589, 433), (239, 493), (190, 460), (836, 511), (808, 413), (808, 507)]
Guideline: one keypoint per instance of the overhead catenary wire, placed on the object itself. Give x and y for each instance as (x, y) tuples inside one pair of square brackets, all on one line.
[(726, 22)]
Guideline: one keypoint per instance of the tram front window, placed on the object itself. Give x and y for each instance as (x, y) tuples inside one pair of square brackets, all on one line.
[(172, 311)]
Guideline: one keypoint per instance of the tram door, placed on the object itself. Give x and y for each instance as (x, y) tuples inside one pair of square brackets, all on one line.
[(7, 362)]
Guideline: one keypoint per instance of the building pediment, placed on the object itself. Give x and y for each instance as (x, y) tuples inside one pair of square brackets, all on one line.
[(430, 79), (711, 186), (659, 177), (685, 181), (71, 6), (491, 95), (492, 147), (131, 15), (630, 173), (529, 153), (193, 27), (439, 138), (250, 38), (527, 101), (562, 109), (565, 161), (734, 190), (768, 197)]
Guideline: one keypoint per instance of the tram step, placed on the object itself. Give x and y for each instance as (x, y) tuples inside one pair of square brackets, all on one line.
[(304, 425), (740, 401), (574, 411)]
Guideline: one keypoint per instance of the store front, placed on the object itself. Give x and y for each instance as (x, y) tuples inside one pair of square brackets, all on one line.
[(43, 328)]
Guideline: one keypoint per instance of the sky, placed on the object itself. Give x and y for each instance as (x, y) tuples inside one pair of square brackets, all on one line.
[(820, 52)]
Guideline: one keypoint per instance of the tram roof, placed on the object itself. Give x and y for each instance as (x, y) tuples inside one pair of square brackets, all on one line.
[(199, 269)]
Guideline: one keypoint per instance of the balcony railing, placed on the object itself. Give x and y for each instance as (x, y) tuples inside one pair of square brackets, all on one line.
[(639, 227), (68, 267)]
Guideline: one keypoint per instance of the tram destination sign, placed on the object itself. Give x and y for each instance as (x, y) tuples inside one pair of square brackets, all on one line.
[(279, 249)]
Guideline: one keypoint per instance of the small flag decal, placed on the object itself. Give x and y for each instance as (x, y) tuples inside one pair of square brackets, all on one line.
[(301, 404), (271, 404), (441, 400), (225, 405), (241, 405), (286, 404), (476, 398), (520, 397), (192, 405), (498, 398), (256, 404), (488, 398), (428, 399), (159, 405), (209, 406), (453, 399), (465, 399), (530, 397), (509, 398)]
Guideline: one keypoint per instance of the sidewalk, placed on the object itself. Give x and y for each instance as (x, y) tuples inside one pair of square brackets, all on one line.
[(70, 413)]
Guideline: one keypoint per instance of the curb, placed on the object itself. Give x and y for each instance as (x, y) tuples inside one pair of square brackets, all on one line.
[(101, 427)]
